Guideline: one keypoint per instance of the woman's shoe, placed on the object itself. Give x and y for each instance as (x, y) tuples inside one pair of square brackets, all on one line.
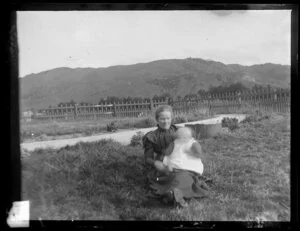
[(204, 186), (168, 198), (179, 198)]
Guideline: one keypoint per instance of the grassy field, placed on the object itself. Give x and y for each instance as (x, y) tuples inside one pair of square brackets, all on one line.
[(106, 181), (49, 130)]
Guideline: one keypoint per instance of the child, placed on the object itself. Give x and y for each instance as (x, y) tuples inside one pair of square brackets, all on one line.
[(184, 153)]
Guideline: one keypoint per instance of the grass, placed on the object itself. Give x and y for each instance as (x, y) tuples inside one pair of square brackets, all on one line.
[(106, 180), (47, 130), (43, 130)]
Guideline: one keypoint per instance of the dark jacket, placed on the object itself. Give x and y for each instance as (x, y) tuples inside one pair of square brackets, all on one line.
[(156, 142)]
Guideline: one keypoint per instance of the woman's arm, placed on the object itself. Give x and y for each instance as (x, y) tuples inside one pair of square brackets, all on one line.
[(156, 163), (148, 149), (150, 161), (160, 166), (169, 149), (148, 152)]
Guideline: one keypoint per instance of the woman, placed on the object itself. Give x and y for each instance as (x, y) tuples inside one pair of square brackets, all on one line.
[(171, 186)]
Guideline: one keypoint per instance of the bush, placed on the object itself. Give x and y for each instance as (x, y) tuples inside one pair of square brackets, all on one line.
[(231, 123), (255, 118), (113, 126), (249, 119), (137, 139)]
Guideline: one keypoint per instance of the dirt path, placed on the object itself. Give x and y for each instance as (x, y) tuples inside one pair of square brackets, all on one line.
[(123, 137)]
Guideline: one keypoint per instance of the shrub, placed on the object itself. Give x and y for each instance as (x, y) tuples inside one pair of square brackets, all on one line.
[(249, 119), (231, 123), (137, 139), (113, 126), (255, 118)]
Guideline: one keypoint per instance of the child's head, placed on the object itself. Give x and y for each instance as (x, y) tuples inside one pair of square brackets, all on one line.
[(184, 133)]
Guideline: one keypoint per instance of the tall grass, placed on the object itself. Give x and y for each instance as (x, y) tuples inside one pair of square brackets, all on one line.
[(106, 180)]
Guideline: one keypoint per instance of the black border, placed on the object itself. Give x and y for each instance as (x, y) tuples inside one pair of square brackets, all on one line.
[(110, 6), (13, 192)]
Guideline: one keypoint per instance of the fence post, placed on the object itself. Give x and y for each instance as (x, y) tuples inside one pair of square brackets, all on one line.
[(239, 97), (239, 100), (170, 101), (75, 111), (151, 104), (209, 104), (276, 105), (114, 109), (275, 95)]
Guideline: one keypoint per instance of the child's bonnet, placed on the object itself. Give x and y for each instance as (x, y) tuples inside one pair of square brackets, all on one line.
[(181, 159)]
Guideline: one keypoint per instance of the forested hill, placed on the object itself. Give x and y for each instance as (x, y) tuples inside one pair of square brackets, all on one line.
[(174, 76)]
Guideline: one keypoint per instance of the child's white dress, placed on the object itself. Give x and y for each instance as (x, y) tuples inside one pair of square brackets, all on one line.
[(180, 159)]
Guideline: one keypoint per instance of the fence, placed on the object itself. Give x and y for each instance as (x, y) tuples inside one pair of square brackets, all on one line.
[(230, 102)]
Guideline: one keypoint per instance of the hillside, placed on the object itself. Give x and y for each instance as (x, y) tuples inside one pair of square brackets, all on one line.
[(174, 76)]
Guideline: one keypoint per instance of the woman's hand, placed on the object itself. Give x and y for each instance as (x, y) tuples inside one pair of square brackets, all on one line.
[(163, 168), (159, 166), (170, 169)]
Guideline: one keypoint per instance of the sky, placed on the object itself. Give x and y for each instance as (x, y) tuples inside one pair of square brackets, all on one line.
[(52, 39)]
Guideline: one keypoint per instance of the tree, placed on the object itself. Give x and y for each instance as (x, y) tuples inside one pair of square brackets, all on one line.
[(201, 92), (129, 99), (72, 102), (179, 98), (188, 96), (155, 97), (166, 95), (101, 101), (137, 98), (236, 87)]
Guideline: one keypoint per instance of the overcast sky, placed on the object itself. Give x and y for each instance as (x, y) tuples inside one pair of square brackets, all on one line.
[(49, 40)]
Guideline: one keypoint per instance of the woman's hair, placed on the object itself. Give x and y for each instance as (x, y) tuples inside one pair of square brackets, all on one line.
[(163, 108)]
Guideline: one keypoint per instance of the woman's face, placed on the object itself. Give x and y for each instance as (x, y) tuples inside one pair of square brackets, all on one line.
[(165, 119)]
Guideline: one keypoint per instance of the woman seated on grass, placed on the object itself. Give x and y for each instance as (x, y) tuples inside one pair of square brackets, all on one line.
[(177, 184)]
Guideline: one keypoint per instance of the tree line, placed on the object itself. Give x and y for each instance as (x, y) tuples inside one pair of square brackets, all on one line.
[(236, 87)]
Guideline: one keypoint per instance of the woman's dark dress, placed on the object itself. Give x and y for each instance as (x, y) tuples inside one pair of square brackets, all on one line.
[(189, 183)]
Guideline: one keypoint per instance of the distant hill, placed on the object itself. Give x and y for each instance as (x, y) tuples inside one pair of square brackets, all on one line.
[(174, 76)]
